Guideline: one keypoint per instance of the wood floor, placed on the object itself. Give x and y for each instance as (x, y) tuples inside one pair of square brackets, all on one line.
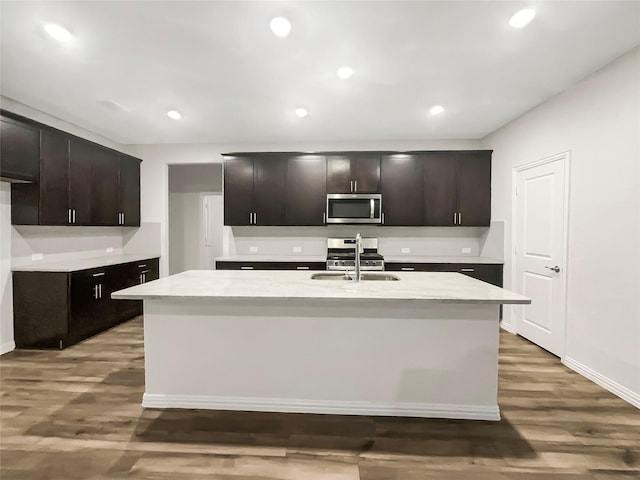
[(76, 414)]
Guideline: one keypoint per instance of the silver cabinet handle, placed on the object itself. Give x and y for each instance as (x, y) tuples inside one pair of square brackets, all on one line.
[(142, 266), (324, 214), (454, 218), (467, 269), (302, 267), (123, 218), (98, 274), (355, 185), (555, 269), (100, 285), (255, 218), (408, 269), (74, 215), (95, 291), (383, 218), (141, 277), (246, 267), (251, 218), (69, 215), (351, 186), (459, 219), (144, 278)]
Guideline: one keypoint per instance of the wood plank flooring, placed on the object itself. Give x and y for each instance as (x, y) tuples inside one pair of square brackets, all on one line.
[(76, 414)]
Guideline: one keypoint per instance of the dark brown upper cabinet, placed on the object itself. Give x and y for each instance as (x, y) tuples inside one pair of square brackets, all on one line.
[(457, 188), (80, 183), (306, 190), (353, 172), (19, 148), (254, 190), (402, 189)]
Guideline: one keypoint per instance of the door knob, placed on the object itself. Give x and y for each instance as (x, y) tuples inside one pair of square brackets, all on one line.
[(555, 269)]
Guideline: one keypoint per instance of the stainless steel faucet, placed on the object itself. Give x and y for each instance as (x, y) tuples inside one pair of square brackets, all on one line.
[(359, 250)]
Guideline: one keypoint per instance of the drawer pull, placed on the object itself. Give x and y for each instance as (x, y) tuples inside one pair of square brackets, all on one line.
[(467, 269), (300, 267), (142, 266), (98, 274), (408, 269), (246, 268)]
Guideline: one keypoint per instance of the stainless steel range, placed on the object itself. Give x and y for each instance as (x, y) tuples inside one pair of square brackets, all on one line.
[(341, 254)]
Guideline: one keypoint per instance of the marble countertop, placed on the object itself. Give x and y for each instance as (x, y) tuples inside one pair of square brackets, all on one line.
[(81, 263), (388, 259), (272, 258), (465, 259), (442, 287)]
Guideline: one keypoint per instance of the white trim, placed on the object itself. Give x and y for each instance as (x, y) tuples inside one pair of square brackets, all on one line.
[(287, 405), (614, 387), (7, 347), (566, 158)]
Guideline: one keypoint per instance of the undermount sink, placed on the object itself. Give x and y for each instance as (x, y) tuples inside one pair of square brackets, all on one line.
[(363, 276)]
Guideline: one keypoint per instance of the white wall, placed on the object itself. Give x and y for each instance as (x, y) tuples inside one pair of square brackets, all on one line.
[(598, 121), (157, 158), (6, 297)]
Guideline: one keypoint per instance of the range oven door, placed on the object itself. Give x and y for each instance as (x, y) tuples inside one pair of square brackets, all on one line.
[(354, 208)]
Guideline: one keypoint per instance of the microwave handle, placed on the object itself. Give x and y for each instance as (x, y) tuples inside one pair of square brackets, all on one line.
[(372, 204)]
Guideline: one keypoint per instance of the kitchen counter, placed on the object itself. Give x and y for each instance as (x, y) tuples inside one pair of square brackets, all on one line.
[(423, 346), (272, 258), (73, 265), (285, 285), (461, 259)]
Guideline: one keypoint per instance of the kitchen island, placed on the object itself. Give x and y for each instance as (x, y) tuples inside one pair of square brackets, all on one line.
[(425, 345)]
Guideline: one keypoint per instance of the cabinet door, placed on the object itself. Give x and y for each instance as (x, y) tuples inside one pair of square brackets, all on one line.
[(439, 188), (474, 188), (54, 181), (88, 307), (339, 179), (306, 190), (80, 155), (238, 190), (353, 173), (104, 187), (402, 189), (19, 150), (365, 171), (129, 191), (269, 190)]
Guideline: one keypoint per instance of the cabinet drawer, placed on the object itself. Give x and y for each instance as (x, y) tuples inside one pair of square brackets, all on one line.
[(487, 272), (271, 265)]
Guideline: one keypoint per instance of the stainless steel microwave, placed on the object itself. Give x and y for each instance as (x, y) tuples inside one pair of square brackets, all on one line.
[(354, 208)]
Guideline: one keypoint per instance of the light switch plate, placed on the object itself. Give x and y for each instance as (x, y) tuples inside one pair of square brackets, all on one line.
[(297, 249), (37, 256), (109, 250), (405, 250), (466, 250), (253, 249)]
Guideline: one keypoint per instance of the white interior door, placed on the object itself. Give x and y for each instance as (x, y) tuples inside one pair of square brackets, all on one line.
[(541, 230), (211, 229)]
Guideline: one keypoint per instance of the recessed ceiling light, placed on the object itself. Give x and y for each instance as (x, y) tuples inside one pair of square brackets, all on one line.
[(522, 18), (174, 114), (302, 112), (59, 33), (280, 26), (345, 72), (436, 110)]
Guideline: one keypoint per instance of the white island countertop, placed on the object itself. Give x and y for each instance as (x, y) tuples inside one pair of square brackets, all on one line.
[(74, 265), (440, 287)]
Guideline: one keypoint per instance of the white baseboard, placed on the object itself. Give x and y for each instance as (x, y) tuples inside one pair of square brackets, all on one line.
[(508, 327), (7, 347), (621, 391), (285, 405)]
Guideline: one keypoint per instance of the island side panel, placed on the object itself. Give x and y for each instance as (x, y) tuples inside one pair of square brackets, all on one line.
[(400, 358)]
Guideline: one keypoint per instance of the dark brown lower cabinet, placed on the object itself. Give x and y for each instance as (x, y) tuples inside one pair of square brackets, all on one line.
[(59, 309), (487, 272), (271, 265)]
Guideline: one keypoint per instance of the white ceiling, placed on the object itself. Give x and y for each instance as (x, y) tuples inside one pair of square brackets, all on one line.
[(234, 81)]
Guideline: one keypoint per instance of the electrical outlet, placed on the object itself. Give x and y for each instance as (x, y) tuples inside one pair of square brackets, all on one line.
[(37, 256), (466, 250), (297, 249), (109, 250), (405, 250), (253, 249)]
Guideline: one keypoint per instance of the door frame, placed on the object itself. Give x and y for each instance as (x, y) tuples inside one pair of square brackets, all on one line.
[(564, 157)]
